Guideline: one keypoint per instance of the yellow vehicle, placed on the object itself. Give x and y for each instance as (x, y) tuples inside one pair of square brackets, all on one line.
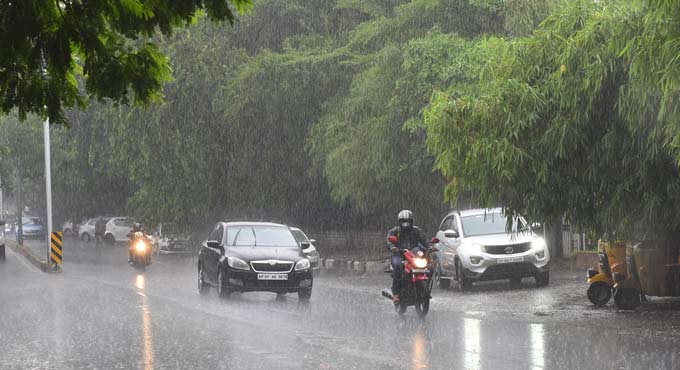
[(611, 259), (653, 269)]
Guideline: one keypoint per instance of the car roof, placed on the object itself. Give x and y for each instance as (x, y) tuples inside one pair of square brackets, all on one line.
[(245, 223), (475, 211)]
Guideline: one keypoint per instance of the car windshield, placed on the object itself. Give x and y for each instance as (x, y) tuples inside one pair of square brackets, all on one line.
[(260, 236), (487, 224)]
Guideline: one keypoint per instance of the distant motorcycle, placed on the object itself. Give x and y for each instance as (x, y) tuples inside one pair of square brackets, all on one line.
[(140, 251), (417, 284)]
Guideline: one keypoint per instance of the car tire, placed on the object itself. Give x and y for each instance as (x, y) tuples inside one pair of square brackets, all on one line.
[(2, 252), (542, 279), (305, 294), (464, 283), (599, 293), (85, 237), (109, 239), (67, 232), (222, 291), (203, 287)]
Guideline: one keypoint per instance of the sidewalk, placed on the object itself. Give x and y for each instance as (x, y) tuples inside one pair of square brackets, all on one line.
[(35, 254)]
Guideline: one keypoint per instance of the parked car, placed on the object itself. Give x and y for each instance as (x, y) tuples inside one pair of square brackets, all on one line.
[(69, 228), (117, 229), (33, 228), (253, 256), (308, 247), (475, 246), (86, 230), (169, 238)]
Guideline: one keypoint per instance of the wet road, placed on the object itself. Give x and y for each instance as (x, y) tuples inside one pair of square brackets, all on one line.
[(102, 314)]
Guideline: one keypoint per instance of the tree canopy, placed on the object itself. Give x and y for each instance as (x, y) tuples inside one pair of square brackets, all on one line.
[(49, 47)]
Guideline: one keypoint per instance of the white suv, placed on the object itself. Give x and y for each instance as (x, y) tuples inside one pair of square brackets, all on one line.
[(475, 246)]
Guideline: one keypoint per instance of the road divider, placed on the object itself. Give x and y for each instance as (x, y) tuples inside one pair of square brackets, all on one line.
[(354, 267), (29, 256)]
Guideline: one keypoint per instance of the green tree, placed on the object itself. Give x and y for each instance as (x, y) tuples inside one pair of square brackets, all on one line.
[(47, 45)]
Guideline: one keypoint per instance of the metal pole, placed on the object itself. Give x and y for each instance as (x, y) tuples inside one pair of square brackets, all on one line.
[(20, 208), (48, 186)]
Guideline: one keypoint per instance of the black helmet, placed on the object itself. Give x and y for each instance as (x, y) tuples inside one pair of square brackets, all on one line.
[(405, 219)]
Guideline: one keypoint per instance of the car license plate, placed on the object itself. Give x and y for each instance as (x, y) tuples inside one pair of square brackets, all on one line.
[(510, 260), (272, 276), (417, 271)]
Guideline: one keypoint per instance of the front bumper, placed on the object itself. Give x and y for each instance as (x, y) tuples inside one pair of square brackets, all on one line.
[(495, 267), (246, 281)]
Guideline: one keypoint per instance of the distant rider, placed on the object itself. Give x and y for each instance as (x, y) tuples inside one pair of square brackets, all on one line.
[(136, 227), (409, 237)]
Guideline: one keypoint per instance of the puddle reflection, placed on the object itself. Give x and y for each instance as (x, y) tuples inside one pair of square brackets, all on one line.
[(419, 356), (537, 354), (472, 339), (146, 325)]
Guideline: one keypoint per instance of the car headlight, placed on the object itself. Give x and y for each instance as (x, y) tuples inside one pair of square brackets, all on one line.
[(302, 264), (539, 246), (474, 248), (237, 263), (420, 263)]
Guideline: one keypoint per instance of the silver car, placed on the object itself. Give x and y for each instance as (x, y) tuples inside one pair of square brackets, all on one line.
[(475, 246), (311, 252)]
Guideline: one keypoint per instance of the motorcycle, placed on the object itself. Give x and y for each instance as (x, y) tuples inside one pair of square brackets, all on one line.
[(417, 282), (140, 251)]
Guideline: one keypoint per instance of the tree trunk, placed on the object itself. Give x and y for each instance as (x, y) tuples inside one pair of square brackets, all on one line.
[(553, 237)]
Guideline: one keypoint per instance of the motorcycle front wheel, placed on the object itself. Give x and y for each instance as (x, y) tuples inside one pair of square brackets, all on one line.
[(422, 299)]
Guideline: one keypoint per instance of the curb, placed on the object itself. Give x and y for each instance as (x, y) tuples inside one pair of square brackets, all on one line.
[(30, 257), (354, 267)]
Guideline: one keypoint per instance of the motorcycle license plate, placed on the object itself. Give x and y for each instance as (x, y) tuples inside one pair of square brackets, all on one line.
[(272, 276), (418, 271), (510, 260)]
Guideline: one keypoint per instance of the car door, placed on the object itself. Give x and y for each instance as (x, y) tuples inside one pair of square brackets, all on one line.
[(213, 255), (448, 245), (121, 227)]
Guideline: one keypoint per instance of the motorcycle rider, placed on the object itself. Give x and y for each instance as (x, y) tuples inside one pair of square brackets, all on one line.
[(136, 227), (409, 237)]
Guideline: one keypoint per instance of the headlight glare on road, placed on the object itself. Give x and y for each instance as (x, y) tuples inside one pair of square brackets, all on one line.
[(420, 263), (302, 264), (237, 263)]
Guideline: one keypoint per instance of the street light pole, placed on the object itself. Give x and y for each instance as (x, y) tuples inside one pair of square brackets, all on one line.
[(48, 186)]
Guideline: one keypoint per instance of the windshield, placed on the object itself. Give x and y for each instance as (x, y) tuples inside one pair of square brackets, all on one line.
[(488, 224), (260, 236)]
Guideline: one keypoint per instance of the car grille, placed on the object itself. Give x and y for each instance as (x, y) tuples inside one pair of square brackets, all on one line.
[(505, 271), (507, 249), (266, 266)]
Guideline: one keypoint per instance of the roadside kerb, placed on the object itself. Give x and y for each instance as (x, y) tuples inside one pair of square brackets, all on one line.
[(29, 255)]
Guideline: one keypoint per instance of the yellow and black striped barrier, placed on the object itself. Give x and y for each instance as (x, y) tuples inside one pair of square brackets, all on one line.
[(56, 250)]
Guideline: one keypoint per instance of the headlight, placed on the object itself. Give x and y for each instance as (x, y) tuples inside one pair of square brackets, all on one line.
[(302, 264), (420, 263), (237, 263), (474, 248), (539, 246), (140, 246)]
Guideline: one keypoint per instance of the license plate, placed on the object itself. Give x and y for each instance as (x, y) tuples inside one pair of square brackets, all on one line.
[(272, 276), (510, 260), (417, 271)]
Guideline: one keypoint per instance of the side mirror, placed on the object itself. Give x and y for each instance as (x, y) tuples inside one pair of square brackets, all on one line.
[(214, 244), (451, 234), (304, 245), (312, 241), (434, 240), (393, 239)]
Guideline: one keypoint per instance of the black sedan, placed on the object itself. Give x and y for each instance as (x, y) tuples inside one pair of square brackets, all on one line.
[(253, 256)]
